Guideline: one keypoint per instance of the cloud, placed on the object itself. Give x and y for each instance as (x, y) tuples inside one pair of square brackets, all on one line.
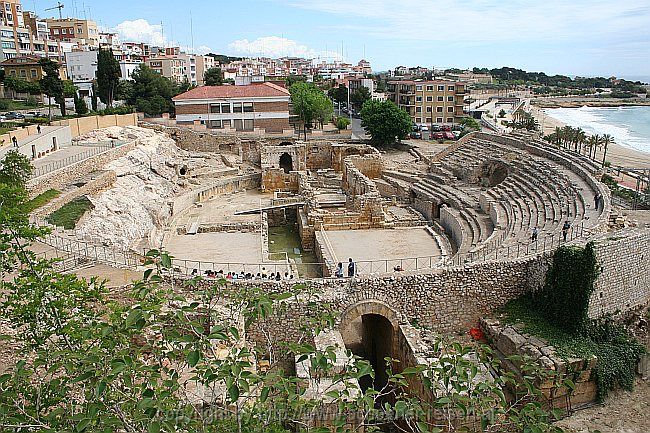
[(141, 30), (275, 46)]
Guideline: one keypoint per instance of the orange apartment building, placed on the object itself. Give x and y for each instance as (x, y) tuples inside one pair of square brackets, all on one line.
[(428, 102)]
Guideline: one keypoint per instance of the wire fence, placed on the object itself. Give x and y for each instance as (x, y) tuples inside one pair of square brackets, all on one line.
[(93, 150), (80, 253)]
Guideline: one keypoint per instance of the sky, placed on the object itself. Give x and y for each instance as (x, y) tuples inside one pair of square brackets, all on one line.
[(571, 37)]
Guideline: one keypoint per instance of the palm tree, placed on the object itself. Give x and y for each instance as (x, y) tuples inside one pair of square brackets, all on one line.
[(558, 135), (597, 142), (607, 140)]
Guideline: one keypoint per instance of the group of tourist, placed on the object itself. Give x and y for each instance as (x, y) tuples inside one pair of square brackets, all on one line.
[(352, 269), (242, 276)]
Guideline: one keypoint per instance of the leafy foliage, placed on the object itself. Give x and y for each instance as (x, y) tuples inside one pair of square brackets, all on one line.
[(158, 357), (342, 123), (310, 105), (213, 77), (385, 121), (51, 84), (151, 92), (108, 76)]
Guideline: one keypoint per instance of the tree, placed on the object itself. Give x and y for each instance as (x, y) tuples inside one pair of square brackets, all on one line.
[(20, 85), (293, 79), (108, 76), (213, 77), (52, 84), (339, 94), (607, 140), (93, 97), (342, 123), (385, 121), (152, 93), (80, 106), (360, 96), (310, 105)]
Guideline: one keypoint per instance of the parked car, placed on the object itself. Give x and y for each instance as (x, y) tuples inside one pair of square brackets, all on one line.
[(446, 128), (417, 135), (438, 136), (436, 128), (12, 115), (449, 135), (424, 128)]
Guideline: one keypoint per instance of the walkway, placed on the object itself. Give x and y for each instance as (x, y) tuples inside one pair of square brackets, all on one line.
[(25, 144)]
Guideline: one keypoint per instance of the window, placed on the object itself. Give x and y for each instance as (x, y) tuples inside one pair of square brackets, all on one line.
[(429, 109), (439, 119), (215, 108), (450, 88), (225, 108), (236, 107), (441, 98), (418, 120), (34, 73), (418, 109), (64, 31), (23, 73), (429, 98), (441, 88), (80, 31), (429, 88), (450, 109), (215, 124), (243, 125), (55, 31), (450, 120), (418, 88), (226, 123), (418, 99), (248, 107), (428, 120), (438, 109), (450, 99)]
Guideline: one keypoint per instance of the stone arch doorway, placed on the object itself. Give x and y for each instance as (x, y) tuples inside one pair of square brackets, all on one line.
[(286, 162), (369, 329)]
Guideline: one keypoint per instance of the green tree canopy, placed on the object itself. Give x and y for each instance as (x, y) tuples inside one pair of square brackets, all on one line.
[(385, 122), (360, 96), (213, 77), (152, 93), (20, 85), (310, 104), (52, 84), (108, 76), (339, 94)]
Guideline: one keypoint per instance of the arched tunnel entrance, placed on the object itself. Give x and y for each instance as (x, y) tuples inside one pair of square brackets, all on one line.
[(286, 162), (369, 330)]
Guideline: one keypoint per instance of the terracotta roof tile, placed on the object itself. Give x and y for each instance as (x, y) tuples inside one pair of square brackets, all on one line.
[(260, 90)]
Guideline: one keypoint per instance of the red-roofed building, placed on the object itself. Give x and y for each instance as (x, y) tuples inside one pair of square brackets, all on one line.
[(263, 106)]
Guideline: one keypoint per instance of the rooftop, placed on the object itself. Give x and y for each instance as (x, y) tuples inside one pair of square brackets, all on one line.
[(260, 90)]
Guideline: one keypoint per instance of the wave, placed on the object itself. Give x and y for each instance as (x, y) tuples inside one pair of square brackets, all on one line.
[(630, 126)]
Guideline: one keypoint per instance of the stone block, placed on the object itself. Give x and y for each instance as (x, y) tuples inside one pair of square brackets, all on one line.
[(510, 341)]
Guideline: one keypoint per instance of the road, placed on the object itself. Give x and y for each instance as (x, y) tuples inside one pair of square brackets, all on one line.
[(357, 131)]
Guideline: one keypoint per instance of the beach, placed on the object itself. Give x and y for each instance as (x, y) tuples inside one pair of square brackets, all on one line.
[(616, 154)]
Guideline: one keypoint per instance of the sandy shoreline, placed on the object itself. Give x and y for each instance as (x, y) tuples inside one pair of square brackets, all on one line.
[(617, 154)]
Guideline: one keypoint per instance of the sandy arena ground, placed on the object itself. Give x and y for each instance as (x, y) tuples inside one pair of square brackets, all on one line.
[(222, 209), (217, 247), (377, 244)]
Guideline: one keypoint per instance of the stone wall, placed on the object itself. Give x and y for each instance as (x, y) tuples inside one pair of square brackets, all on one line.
[(83, 125), (66, 175), (102, 182), (222, 186), (623, 283)]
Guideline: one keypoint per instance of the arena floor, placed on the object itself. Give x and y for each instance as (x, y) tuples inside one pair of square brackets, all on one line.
[(378, 244)]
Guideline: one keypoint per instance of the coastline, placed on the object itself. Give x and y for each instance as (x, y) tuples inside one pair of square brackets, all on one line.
[(616, 154)]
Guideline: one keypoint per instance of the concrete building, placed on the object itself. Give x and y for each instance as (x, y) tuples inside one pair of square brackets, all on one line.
[(171, 67), (81, 66), (128, 67), (427, 102), (23, 34), (203, 63), (27, 68), (83, 32), (263, 107)]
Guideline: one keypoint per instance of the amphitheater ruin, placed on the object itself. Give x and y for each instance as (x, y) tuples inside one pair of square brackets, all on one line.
[(438, 238)]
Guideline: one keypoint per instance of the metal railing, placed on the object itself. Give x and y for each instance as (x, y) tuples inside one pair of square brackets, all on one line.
[(93, 150)]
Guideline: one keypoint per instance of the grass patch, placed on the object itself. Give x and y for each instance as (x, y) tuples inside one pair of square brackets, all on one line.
[(41, 200), (68, 216), (616, 351), (11, 105)]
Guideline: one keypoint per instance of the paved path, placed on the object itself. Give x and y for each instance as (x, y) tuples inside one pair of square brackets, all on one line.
[(26, 142)]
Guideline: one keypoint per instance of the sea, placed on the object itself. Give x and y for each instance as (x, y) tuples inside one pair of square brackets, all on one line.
[(630, 126)]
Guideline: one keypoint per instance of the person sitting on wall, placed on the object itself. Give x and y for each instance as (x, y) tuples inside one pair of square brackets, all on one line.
[(534, 235), (339, 270), (398, 268), (278, 277), (286, 275), (264, 275), (565, 229)]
